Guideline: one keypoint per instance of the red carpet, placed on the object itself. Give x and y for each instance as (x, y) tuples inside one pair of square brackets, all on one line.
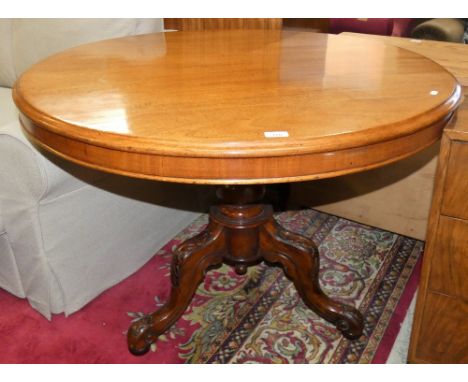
[(253, 318)]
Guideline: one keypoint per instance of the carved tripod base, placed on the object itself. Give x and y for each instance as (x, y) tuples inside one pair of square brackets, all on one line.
[(241, 234)]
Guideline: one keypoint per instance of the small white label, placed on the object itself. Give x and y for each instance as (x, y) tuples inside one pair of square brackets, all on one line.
[(416, 41), (276, 134), (433, 92)]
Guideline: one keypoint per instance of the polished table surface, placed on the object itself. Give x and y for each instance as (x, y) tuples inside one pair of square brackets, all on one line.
[(240, 109), (451, 55), (214, 107)]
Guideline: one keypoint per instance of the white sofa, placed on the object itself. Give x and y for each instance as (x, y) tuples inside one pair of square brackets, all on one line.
[(68, 233)]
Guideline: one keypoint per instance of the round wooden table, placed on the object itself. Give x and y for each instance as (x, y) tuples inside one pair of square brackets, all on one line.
[(237, 109)]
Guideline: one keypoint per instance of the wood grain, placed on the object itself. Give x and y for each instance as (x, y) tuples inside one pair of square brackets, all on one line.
[(449, 268), (444, 331), (318, 25), (456, 187), (417, 337), (221, 23), (458, 131), (225, 170), (440, 326), (194, 106)]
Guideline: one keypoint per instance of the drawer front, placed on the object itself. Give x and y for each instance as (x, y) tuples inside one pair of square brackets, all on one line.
[(443, 336), (449, 268), (455, 200)]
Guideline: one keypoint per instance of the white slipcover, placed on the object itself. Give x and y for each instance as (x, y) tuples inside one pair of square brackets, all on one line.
[(67, 233), (24, 42)]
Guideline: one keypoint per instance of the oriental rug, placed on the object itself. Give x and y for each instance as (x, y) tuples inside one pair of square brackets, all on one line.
[(254, 318)]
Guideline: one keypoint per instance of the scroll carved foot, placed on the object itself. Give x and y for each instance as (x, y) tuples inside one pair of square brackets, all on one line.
[(299, 258), (189, 264)]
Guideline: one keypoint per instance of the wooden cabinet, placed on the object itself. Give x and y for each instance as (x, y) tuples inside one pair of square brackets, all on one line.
[(222, 23), (440, 328), (316, 25)]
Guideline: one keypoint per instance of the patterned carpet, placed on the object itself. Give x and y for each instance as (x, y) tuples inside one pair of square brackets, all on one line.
[(257, 317), (260, 318)]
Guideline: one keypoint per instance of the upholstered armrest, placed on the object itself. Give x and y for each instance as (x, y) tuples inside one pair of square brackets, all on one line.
[(29, 174), (29, 180), (22, 174)]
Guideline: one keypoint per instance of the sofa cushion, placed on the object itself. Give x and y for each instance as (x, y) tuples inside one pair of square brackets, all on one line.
[(7, 68), (8, 110), (2, 226), (24, 42)]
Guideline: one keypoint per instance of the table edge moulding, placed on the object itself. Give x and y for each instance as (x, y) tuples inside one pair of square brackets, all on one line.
[(256, 161)]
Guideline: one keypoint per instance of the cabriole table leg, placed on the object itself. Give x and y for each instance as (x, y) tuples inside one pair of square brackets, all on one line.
[(242, 233)]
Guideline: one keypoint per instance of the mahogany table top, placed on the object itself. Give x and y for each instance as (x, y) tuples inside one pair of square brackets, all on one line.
[(235, 106)]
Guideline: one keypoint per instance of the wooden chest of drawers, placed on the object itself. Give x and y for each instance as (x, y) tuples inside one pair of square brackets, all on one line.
[(440, 328)]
